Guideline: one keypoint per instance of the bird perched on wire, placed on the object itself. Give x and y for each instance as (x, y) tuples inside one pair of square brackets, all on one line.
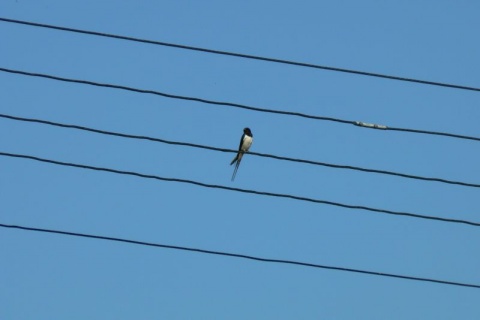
[(245, 143)]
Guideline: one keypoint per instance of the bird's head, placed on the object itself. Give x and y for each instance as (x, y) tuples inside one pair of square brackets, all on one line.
[(247, 131)]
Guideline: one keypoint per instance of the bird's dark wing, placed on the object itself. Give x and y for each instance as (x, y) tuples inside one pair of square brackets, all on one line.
[(241, 142), (238, 157)]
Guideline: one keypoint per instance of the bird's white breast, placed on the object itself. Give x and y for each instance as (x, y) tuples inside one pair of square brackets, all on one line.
[(247, 142)]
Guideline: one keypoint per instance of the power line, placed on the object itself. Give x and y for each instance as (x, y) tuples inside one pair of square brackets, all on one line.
[(187, 144), (241, 55), (263, 193), (237, 255), (172, 96), (235, 105)]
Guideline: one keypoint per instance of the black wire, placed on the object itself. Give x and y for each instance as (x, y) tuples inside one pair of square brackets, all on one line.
[(236, 255), (263, 193), (446, 134), (229, 104), (172, 96), (336, 166), (240, 55)]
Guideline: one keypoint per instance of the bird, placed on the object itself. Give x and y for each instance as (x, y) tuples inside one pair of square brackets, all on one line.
[(245, 144)]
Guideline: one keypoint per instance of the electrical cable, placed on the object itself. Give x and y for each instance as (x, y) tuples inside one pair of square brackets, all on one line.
[(235, 105), (241, 55), (263, 193), (336, 166), (237, 255)]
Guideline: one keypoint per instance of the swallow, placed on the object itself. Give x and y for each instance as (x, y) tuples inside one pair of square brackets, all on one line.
[(245, 143)]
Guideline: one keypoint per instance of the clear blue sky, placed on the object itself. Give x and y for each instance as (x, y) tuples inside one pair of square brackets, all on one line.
[(57, 277)]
